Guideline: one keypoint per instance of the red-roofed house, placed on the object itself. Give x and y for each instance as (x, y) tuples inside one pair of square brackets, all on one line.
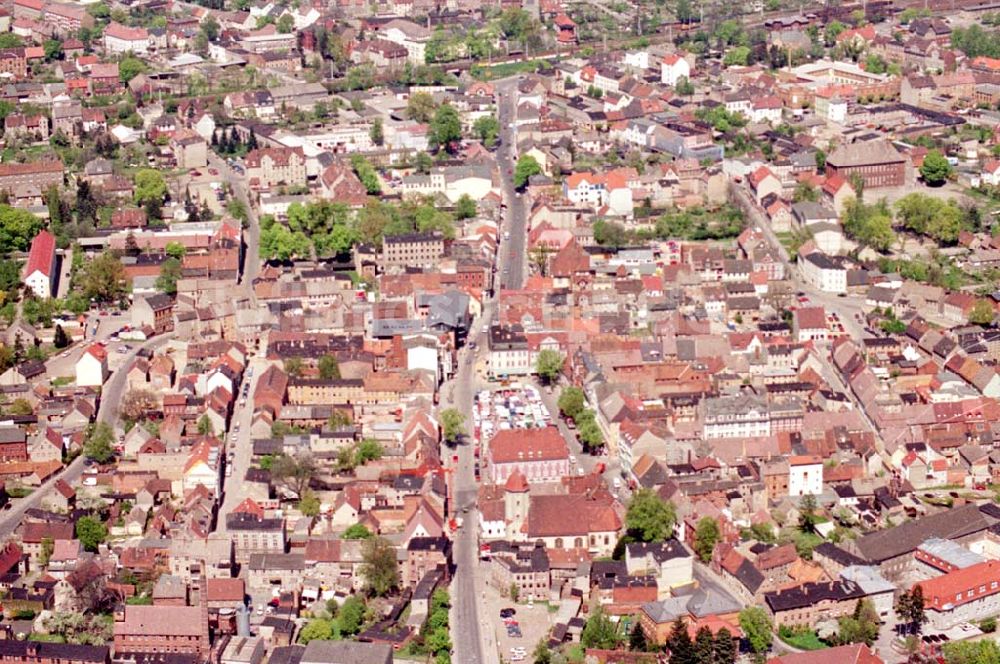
[(991, 173), (763, 183), (809, 323), (92, 367), (672, 68), (40, 270), (541, 455), (120, 38), (963, 595)]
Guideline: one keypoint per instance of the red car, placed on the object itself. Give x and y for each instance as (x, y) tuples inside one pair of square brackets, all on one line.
[(213, 171)]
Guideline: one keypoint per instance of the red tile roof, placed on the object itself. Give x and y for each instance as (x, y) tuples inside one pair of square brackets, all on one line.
[(962, 586), (42, 256), (510, 446)]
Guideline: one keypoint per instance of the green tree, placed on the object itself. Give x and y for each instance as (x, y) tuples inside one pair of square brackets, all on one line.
[(377, 132), (61, 339), (91, 532), (420, 107), (737, 55), (318, 629), (571, 402), (149, 186), (704, 646), (804, 191), (293, 366), (637, 638), (452, 425), (971, 652), (367, 174), (351, 615), (48, 546), (679, 644), (757, 628), (17, 228), (129, 67), (175, 250), (423, 162), (98, 443), (170, 272), (361, 77), (599, 631), (53, 49), (541, 654), (982, 313), (465, 207), (860, 627), (277, 241), (487, 130), (309, 504), (446, 128), (649, 518), (684, 12), (293, 473), (378, 566), (205, 426), (357, 532), (286, 24), (610, 234), (329, 368), (525, 168), (548, 365), (935, 170), (706, 535), (725, 648), (369, 449)]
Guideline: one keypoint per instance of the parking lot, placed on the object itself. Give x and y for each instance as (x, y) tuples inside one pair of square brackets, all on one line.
[(517, 407), (534, 621)]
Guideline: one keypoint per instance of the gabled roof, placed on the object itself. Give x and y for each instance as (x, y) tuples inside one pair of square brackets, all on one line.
[(42, 256)]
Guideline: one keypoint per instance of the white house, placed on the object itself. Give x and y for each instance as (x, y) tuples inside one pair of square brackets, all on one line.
[(120, 38), (92, 367), (422, 354), (670, 562), (585, 189), (672, 68), (636, 59), (766, 109), (991, 173), (827, 273), (40, 271), (410, 36), (805, 476), (619, 197)]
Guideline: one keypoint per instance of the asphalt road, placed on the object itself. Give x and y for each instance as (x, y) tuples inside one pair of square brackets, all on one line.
[(845, 307), (466, 591), (511, 257), (241, 447), (471, 643)]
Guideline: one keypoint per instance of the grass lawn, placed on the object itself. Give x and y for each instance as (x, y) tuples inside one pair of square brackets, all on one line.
[(787, 240), (806, 640), (488, 73), (62, 380)]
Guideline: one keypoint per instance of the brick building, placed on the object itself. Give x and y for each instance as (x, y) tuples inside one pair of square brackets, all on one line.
[(162, 629), (877, 163), (412, 249), (540, 455), (267, 167), (38, 173)]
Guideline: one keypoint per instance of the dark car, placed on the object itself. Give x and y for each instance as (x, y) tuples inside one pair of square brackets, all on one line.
[(507, 612)]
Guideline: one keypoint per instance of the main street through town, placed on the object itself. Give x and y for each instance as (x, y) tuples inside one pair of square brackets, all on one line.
[(473, 638)]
